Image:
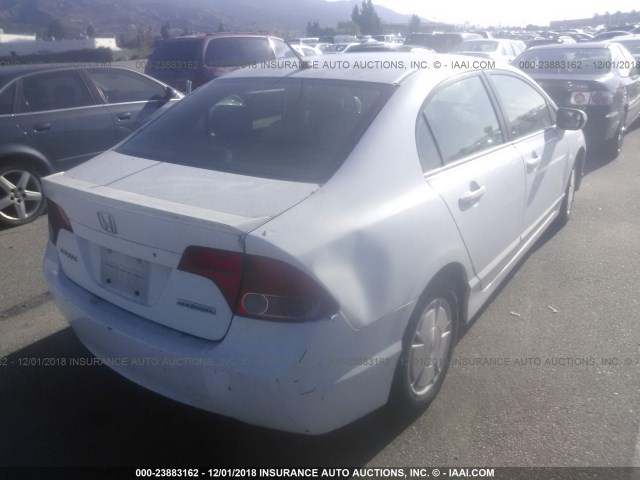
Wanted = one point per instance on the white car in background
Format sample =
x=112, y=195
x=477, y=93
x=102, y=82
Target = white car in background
x=306, y=50
x=297, y=248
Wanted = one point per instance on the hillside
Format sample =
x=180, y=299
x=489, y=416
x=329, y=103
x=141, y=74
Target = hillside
x=286, y=17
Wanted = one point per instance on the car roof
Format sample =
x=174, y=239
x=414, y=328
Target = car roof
x=487, y=40
x=218, y=35
x=573, y=46
x=392, y=68
x=9, y=73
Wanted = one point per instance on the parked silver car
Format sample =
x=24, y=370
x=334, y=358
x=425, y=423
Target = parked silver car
x=296, y=248
x=53, y=117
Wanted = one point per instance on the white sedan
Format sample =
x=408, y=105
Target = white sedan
x=297, y=248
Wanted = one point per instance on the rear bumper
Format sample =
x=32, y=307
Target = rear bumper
x=306, y=378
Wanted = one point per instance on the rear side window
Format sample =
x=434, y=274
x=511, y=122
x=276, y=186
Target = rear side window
x=462, y=119
x=525, y=109
x=120, y=86
x=6, y=100
x=287, y=129
x=54, y=91
x=238, y=51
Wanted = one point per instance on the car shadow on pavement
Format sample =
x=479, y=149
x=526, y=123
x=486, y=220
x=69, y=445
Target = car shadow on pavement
x=553, y=230
x=60, y=415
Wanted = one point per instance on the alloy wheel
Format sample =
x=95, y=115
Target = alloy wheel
x=21, y=196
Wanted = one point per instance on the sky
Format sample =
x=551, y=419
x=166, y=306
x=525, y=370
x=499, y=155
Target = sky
x=507, y=12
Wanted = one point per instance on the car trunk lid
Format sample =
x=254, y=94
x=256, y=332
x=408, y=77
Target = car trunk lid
x=131, y=228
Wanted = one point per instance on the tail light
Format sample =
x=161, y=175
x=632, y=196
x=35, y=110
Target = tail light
x=260, y=287
x=589, y=94
x=58, y=220
x=220, y=266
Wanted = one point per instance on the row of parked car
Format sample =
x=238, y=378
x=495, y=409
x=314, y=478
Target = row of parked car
x=599, y=77
x=53, y=118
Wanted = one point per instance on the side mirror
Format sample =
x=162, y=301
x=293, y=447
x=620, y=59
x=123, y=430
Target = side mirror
x=169, y=93
x=571, y=119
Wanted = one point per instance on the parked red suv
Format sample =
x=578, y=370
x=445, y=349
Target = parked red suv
x=201, y=58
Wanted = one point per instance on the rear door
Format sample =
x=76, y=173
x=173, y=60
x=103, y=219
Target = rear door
x=132, y=98
x=62, y=119
x=482, y=177
x=531, y=126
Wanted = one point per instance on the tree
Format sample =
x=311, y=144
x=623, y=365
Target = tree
x=165, y=31
x=313, y=29
x=346, y=28
x=56, y=30
x=91, y=32
x=355, y=14
x=414, y=23
x=366, y=18
x=221, y=27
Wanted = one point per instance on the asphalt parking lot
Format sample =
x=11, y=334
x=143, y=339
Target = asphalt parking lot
x=548, y=375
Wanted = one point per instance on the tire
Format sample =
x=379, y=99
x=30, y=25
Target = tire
x=613, y=147
x=21, y=196
x=566, y=207
x=428, y=344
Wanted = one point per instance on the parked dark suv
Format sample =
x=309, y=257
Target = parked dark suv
x=201, y=58
x=54, y=117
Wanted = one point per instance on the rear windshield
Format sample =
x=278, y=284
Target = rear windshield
x=185, y=50
x=238, y=52
x=285, y=128
x=587, y=61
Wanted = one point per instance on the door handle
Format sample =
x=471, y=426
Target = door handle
x=472, y=196
x=124, y=116
x=533, y=161
x=42, y=127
